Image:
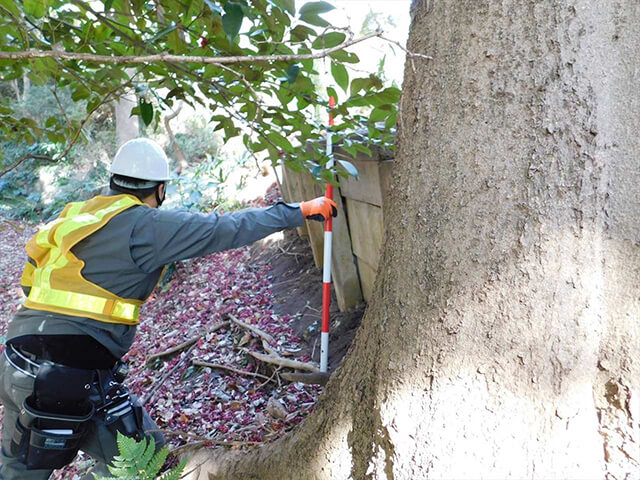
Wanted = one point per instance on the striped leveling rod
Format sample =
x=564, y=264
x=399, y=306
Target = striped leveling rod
x=326, y=264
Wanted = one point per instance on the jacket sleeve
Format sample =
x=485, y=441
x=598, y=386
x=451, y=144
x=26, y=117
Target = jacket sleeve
x=161, y=237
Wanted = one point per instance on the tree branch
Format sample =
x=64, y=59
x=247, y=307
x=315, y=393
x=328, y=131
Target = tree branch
x=149, y=396
x=202, y=363
x=170, y=58
x=284, y=362
x=23, y=158
x=256, y=331
x=186, y=343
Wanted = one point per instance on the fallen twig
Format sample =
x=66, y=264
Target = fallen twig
x=283, y=362
x=186, y=343
x=202, y=363
x=268, y=338
x=18, y=230
x=275, y=372
x=158, y=384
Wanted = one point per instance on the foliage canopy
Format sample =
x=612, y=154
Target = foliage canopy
x=268, y=102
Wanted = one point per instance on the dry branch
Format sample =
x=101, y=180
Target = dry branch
x=284, y=362
x=202, y=363
x=157, y=385
x=256, y=331
x=169, y=58
x=23, y=158
x=186, y=343
x=177, y=151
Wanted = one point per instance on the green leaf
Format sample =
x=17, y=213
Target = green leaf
x=107, y=5
x=232, y=19
x=331, y=39
x=349, y=167
x=280, y=141
x=315, y=8
x=146, y=112
x=36, y=8
x=344, y=56
x=389, y=95
x=175, y=42
x=340, y=75
x=80, y=93
x=163, y=32
x=392, y=120
x=12, y=6
x=292, y=73
x=288, y=5
x=379, y=113
x=331, y=92
x=358, y=84
x=316, y=20
x=310, y=13
x=301, y=33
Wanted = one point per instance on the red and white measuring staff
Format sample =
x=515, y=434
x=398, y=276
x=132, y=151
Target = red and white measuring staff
x=326, y=264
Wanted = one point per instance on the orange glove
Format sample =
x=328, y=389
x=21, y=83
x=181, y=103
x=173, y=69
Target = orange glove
x=319, y=209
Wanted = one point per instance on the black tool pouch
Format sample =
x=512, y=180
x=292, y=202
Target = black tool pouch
x=43, y=440
x=48, y=432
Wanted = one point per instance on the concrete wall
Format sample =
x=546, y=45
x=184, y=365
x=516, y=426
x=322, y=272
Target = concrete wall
x=357, y=231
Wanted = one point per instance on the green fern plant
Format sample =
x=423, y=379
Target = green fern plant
x=140, y=461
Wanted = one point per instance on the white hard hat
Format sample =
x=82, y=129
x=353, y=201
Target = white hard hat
x=143, y=159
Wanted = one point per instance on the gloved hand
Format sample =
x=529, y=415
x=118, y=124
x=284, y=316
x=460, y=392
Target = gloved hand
x=319, y=209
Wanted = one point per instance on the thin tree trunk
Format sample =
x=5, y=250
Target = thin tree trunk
x=183, y=164
x=503, y=340
x=26, y=84
x=16, y=88
x=127, y=126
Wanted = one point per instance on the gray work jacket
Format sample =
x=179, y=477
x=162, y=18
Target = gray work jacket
x=127, y=255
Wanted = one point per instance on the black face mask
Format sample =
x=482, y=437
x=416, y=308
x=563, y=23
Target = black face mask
x=164, y=195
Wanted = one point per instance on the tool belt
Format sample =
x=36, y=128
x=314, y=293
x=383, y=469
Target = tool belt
x=55, y=418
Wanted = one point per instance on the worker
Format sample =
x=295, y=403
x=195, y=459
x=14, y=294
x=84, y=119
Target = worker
x=88, y=272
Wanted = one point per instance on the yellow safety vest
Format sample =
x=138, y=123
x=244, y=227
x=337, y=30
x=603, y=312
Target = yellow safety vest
x=56, y=281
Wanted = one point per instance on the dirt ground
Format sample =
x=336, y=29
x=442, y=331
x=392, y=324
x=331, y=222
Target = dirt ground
x=297, y=283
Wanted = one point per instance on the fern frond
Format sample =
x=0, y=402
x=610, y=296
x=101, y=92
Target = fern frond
x=174, y=473
x=140, y=461
x=157, y=461
x=128, y=447
x=146, y=457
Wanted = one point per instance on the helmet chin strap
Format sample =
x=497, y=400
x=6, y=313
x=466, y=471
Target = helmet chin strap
x=164, y=195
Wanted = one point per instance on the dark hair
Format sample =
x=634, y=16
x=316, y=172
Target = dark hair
x=134, y=186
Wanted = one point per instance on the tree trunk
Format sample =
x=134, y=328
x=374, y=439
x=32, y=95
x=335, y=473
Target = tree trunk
x=26, y=85
x=127, y=126
x=183, y=164
x=503, y=338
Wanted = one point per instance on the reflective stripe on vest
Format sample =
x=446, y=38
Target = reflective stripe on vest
x=51, y=248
